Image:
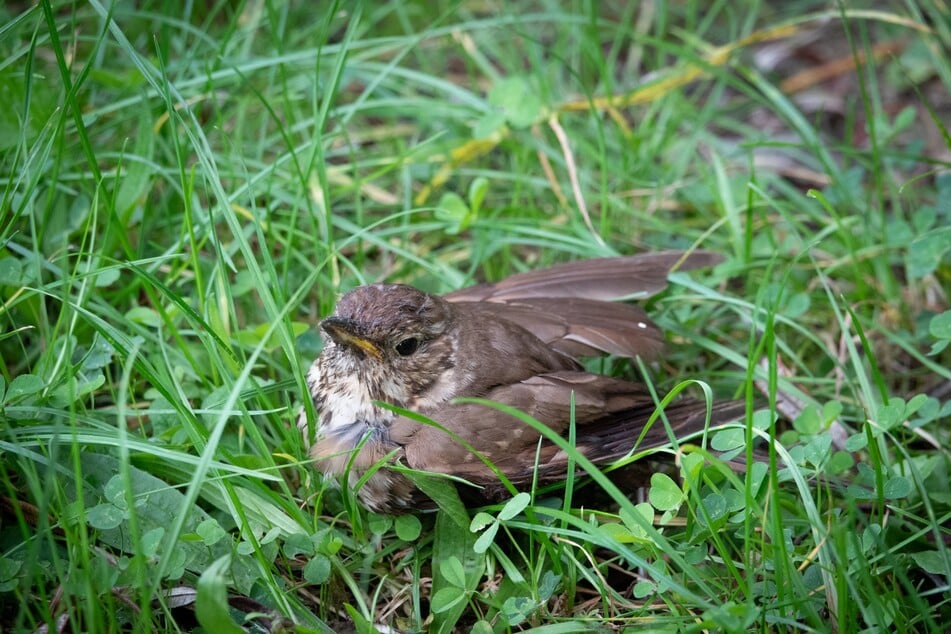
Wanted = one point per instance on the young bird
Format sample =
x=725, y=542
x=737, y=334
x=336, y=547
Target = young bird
x=514, y=342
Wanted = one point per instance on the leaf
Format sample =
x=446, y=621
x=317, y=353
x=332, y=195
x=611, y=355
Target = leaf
x=618, y=533
x=515, y=506
x=210, y=531
x=548, y=585
x=317, y=570
x=152, y=540
x=817, y=449
x=452, y=208
x=903, y=119
x=327, y=541
x=690, y=466
x=408, y=527
x=485, y=539
x=488, y=125
x=924, y=465
x=715, y=507
x=379, y=524
x=480, y=521
x=255, y=335
x=114, y=491
x=478, y=188
x=518, y=101
x=940, y=325
x=664, y=493
x=360, y=623
x=762, y=419
x=735, y=500
x=928, y=410
x=830, y=412
x=211, y=601
x=696, y=555
x=925, y=218
x=244, y=282
x=106, y=277
x=899, y=233
x=797, y=454
x=728, y=439
x=643, y=589
x=871, y=538
x=841, y=462
x=757, y=475
x=11, y=272
x=157, y=504
x=176, y=565
x=730, y=617
x=856, y=442
x=453, y=572
x=517, y=609
x=796, y=306
x=66, y=393
x=90, y=384
x=452, y=541
x=298, y=544
x=444, y=493
x=915, y=404
x=638, y=521
x=23, y=385
x=105, y=516
x=445, y=598
x=808, y=421
x=897, y=487
x=925, y=253
x=481, y=627
x=9, y=569
x=933, y=562
x=891, y=414
x=144, y=316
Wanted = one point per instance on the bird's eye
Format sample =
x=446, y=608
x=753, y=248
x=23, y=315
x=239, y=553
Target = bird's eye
x=407, y=346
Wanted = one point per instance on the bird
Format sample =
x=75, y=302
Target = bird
x=516, y=342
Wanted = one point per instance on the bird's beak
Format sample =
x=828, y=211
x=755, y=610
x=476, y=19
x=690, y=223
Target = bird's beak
x=342, y=332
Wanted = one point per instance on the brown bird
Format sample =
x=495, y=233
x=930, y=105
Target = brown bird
x=515, y=342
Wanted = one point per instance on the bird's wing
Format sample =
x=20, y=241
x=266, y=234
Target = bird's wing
x=582, y=327
x=609, y=414
x=603, y=279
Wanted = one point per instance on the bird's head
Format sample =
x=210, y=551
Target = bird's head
x=390, y=337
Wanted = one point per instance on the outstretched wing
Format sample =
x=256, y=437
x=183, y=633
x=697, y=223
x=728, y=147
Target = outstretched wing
x=602, y=279
x=572, y=306
x=581, y=327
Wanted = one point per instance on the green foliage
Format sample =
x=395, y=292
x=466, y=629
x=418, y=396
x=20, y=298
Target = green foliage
x=211, y=604
x=186, y=189
x=489, y=525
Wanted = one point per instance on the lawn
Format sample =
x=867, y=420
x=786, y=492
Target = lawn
x=189, y=188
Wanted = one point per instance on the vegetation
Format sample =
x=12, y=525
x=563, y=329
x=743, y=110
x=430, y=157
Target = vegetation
x=186, y=189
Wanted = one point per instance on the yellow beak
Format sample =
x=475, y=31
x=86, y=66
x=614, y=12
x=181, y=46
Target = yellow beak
x=341, y=331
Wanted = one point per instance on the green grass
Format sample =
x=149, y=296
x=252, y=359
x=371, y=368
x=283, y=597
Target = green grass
x=185, y=195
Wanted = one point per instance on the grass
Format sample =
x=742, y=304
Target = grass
x=184, y=195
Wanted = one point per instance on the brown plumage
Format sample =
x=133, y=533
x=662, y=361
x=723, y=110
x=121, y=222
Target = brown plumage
x=513, y=342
